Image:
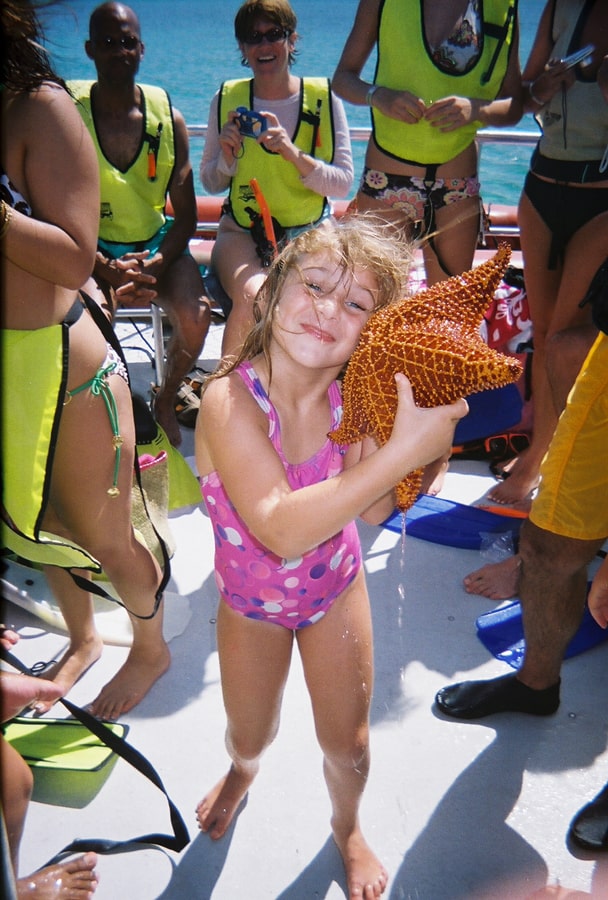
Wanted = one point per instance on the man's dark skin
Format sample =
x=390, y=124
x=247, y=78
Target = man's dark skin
x=169, y=277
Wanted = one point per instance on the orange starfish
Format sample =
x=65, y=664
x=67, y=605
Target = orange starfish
x=434, y=338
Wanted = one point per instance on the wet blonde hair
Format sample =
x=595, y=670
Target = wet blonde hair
x=361, y=241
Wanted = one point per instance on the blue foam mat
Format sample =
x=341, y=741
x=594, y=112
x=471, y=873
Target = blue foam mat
x=501, y=632
x=490, y=412
x=450, y=523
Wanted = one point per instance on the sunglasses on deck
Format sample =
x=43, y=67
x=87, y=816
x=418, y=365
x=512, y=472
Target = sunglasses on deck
x=129, y=42
x=499, y=447
x=272, y=36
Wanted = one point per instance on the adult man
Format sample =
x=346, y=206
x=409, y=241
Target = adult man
x=142, y=148
x=568, y=525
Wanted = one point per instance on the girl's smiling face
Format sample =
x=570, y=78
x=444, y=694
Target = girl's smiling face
x=322, y=310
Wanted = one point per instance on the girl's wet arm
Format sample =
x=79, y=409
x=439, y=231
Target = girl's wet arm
x=382, y=508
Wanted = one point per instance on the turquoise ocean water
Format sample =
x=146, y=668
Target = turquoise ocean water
x=190, y=49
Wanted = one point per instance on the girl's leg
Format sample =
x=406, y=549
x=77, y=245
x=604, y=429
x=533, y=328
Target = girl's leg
x=254, y=664
x=85, y=644
x=239, y=270
x=337, y=656
x=554, y=297
x=542, y=286
x=81, y=508
x=452, y=248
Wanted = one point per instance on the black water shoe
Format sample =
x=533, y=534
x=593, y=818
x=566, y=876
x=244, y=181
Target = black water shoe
x=476, y=699
x=589, y=828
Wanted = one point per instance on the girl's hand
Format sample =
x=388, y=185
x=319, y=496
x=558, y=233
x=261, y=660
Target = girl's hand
x=401, y=105
x=230, y=138
x=423, y=435
x=450, y=113
x=598, y=595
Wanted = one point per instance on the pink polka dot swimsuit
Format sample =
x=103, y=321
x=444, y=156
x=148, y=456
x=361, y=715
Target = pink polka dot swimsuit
x=256, y=582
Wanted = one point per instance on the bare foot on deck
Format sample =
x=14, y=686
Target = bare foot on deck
x=75, y=879
x=366, y=877
x=496, y=581
x=216, y=811
x=131, y=683
x=71, y=667
x=520, y=478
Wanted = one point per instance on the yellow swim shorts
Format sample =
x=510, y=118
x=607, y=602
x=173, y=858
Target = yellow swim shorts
x=572, y=499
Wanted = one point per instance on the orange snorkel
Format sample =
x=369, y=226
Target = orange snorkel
x=265, y=211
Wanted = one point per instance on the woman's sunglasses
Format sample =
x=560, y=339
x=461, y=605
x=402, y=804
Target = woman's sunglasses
x=499, y=447
x=272, y=36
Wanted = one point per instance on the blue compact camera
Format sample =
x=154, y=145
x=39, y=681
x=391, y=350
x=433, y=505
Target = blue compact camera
x=251, y=123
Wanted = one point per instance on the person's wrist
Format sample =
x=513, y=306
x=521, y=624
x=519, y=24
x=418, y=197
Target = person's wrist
x=369, y=97
x=536, y=100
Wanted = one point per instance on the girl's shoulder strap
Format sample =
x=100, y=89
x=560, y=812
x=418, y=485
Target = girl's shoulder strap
x=251, y=380
x=258, y=392
x=335, y=401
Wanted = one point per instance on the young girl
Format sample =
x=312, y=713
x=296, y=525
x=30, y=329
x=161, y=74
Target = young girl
x=282, y=499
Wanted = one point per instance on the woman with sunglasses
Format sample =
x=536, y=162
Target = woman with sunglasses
x=298, y=152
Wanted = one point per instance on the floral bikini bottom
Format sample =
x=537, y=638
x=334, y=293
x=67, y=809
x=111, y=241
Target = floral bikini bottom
x=414, y=195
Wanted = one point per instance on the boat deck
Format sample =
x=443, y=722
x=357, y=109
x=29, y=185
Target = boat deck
x=456, y=811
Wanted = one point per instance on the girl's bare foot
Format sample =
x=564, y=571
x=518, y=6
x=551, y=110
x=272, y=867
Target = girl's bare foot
x=75, y=879
x=71, y=667
x=366, y=877
x=216, y=811
x=132, y=682
x=496, y=581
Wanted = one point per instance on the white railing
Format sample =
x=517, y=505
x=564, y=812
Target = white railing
x=485, y=136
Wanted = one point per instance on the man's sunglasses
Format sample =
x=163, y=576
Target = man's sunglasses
x=272, y=36
x=129, y=42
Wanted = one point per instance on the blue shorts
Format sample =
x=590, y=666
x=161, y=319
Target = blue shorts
x=115, y=250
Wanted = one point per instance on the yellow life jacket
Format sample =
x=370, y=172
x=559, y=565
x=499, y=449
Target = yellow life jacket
x=405, y=63
x=290, y=202
x=133, y=201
